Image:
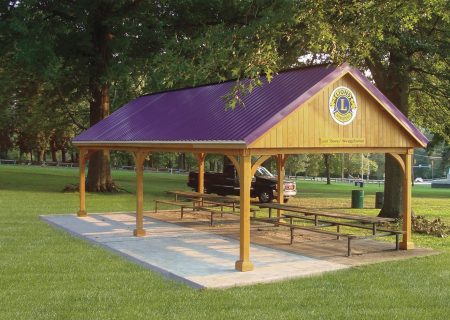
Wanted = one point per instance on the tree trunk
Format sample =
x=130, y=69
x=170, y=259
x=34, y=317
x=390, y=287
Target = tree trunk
x=393, y=187
x=99, y=173
x=54, y=158
x=41, y=155
x=394, y=82
x=182, y=161
x=326, y=160
x=63, y=155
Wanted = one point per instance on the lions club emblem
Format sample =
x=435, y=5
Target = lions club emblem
x=342, y=105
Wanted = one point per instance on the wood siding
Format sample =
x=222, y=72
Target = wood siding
x=311, y=125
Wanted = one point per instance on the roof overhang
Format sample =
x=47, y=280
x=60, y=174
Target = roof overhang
x=160, y=145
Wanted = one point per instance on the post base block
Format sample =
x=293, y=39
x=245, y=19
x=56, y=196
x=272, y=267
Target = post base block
x=139, y=233
x=408, y=245
x=243, y=266
x=82, y=213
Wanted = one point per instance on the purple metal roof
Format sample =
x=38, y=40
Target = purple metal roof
x=199, y=114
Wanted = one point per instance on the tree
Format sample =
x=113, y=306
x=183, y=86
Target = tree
x=93, y=47
x=326, y=161
x=96, y=39
x=404, y=45
x=296, y=163
x=313, y=165
x=406, y=52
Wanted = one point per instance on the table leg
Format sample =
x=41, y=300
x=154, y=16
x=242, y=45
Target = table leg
x=397, y=244
x=349, y=250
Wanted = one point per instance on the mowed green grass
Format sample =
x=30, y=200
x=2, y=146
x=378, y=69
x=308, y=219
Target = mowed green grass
x=48, y=274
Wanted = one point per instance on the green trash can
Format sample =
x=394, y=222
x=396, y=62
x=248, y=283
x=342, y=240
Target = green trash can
x=379, y=200
x=357, y=199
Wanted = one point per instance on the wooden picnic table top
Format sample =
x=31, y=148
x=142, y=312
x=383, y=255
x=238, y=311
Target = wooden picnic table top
x=337, y=215
x=205, y=196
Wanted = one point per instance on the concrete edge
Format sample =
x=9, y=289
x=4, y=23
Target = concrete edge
x=166, y=274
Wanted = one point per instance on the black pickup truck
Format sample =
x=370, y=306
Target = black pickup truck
x=264, y=184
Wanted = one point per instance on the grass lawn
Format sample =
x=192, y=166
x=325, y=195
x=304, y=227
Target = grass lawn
x=48, y=274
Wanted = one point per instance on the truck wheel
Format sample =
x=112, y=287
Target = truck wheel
x=265, y=196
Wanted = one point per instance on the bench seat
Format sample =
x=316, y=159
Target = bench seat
x=318, y=229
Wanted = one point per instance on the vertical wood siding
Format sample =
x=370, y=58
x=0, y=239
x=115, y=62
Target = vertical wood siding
x=311, y=121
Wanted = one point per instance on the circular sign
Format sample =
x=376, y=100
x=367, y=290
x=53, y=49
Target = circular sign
x=342, y=105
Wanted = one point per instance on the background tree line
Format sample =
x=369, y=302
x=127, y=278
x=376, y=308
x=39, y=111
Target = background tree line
x=65, y=65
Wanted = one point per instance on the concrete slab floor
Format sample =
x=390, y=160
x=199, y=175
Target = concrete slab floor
x=199, y=258
x=310, y=244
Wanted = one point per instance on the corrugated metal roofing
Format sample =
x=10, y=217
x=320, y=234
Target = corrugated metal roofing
x=198, y=114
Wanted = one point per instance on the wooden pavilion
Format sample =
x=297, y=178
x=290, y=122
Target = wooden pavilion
x=319, y=109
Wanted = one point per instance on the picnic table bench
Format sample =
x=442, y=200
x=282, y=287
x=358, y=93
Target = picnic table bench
x=322, y=220
x=182, y=204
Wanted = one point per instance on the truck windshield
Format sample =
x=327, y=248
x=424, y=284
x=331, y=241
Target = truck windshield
x=263, y=172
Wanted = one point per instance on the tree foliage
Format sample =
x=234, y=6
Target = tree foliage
x=65, y=64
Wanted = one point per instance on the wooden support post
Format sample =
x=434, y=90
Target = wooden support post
x=281, y=158
x=201, y=172
x=406, y=243
x=82, y=158
x=245, y=176
x=139, y=158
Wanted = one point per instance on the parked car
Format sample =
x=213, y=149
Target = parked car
x=264, y=184
x=418, y=179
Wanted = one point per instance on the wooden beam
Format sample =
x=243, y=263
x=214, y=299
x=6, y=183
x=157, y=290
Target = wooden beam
x=139, y=158
x=201, y=172
x=258, y=163
x=281, y=160
x=245, y=165
x=235, y=162
x=406, y=243
x=227, y=148
x=399, y=160
x=275, y=151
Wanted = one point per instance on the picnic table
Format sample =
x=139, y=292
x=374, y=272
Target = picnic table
x=203, y=202
x=323, y=220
